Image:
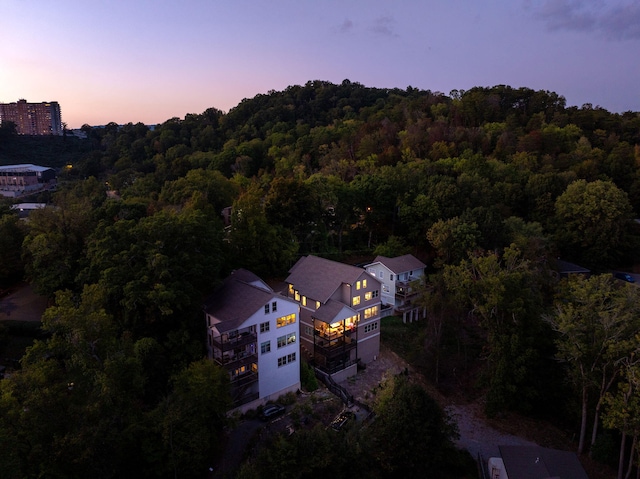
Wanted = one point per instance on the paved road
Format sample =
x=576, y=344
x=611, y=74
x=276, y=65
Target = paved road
x=235, y=448
x=22, y=304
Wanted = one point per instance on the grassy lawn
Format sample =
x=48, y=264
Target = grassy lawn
x=406, y=340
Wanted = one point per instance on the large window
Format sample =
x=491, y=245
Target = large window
x=289, y=358
x=265, y=347
x=287, y=339
x=370, y=295
x=264, y=327
x=370, y=312
x=355, y=301
x=284, y=320
x=371, y=327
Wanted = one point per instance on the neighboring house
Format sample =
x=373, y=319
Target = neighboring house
x=565, y=268
x=339, y=314
x=252, y=332
x=535, y=462
x=16, y=180
x=25, y=208
x=396, y=275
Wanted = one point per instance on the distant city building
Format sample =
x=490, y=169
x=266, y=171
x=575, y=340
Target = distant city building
x=18, y=180
x=33, y=118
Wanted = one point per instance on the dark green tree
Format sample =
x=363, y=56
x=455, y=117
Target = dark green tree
x=592, y=222
x=412, y=436
x=11, y=237
x=595, y=319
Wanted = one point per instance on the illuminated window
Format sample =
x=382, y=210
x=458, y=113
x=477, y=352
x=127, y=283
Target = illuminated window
x=291, y=290
x=370, y=295
x=285, y=340
x=264, y=327
x=297, y=296
x=355, y=301
x=357, y=284
x=364, y=283
x=370, y=312
x=284, y=320
x=304, y=301
x=265, y=347
x=317, y=304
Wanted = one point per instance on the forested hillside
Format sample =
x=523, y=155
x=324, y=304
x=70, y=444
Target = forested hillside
x=488, y=186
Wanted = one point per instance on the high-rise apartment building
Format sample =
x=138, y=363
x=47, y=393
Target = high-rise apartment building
x=33, y=118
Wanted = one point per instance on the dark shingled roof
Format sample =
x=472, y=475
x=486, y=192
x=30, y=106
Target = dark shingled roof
x=241, y=294
x=400, y=264
x=535, y=462
x=318, y=278
x=333, y=311
x=567, y=267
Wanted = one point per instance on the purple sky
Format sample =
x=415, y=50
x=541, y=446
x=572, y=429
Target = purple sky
x=151, y=60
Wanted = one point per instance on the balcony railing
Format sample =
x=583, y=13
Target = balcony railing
x=244, y=380
x=335, y=348
x=226, y=342
x=334, y=368
x=335, y=334
x=404, y=289
x=236, y=361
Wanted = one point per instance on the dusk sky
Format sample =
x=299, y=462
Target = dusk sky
x=151, y=60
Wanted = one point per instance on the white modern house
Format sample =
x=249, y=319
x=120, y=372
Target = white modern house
x=339, y=314
x=253, y=332
x=396, y=275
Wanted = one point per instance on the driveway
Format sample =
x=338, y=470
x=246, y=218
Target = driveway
x=476, y=435
x=22, y=304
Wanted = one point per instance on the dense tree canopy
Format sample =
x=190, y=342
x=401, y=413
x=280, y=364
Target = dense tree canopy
x=487, y=186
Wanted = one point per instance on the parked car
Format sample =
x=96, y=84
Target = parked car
x=271, y=410
x=625, y=277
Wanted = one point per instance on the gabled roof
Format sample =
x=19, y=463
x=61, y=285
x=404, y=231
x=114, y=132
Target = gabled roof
x=319, y=278
x=535, y=462
x=241, y=295
x=565, y=267
x=400, y=264
x=333, y=311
